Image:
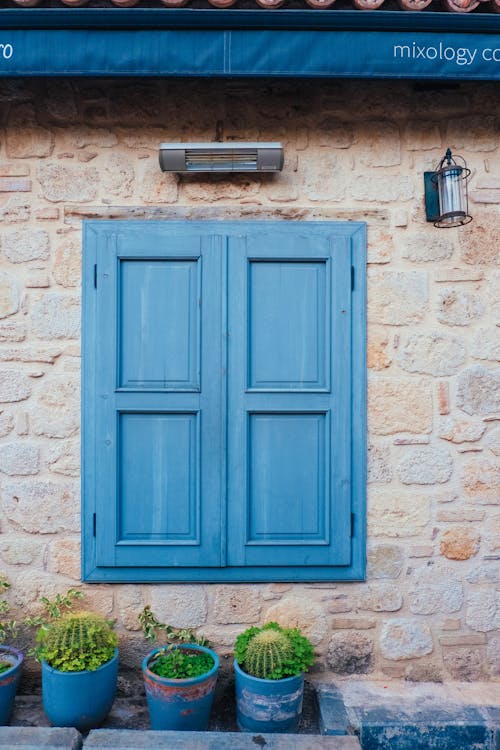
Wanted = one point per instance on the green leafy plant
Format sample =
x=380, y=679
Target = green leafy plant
x=154, y=630
x=76, y=641
x=71, y=641
x=273, y=652
x=178, y=663
x=8, y=627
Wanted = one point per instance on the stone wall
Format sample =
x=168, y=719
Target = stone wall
x=71, y=150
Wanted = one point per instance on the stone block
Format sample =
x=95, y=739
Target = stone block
x=384, y=561
x=380, y=597
x=397, y=514
x=486, y=344
x=15, y=185
x=130, y=605
x=67, y=268
x=123, y=739
x=435, y=591
x=378, y=357
x=117, y=176
x=400, y=405
x=381, y=146
x=25, y=245
x=443, y=395
x=57, y=316
x=19, y=458
x=397, y=297
x=458, y=274
x=379, y=465
x=462, y=639
x=58, y=407
x=405, y=639
x=179, y=606
x=464, y=664
x=459, y=543
x=40, y=506
x=65, y=459
x=478, y=390
x=25, y=139
x=462, y=431
x=236, y=604
x=426, y=465
x=492, y=441
x=64, y=558
x=318, y=168
x=423, y=248
x=350, y=653
x=480, y=242
x=379, y=189
x=61, y=182
x=353, y=623
x=333, y=718
x=483, y=610
x=299, y=612
x=404, y=736
x=9, y=295
x=481, y=481
x=83, y=136
x=380, y=248
x=456, y=307
x=14, y=386
x=34, y=738
x=434, y=354
x=16, y=550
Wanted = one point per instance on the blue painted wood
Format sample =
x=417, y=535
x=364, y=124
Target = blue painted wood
x=158, y=489
x=289, y=423
x=156, y=429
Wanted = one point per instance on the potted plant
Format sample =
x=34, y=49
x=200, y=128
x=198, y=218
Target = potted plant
x=79, y=656
x=269, y=664
x=10, y=659
x=179, y=677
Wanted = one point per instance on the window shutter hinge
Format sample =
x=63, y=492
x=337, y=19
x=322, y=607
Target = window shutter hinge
x=352, y=524
x=94, y=524
x=95, y=275
x=352, y=278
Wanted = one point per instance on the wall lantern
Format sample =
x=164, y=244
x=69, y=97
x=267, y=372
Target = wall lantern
x=446, y=199
x=233, y=156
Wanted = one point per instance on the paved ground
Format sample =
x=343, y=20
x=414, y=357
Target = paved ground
x=385, y=715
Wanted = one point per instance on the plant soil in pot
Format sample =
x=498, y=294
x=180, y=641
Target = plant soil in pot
x=269, y=677
x=180, y=684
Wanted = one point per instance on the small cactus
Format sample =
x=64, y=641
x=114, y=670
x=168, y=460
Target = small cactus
x=273, y=652
x=267, y=651
x=77, y=642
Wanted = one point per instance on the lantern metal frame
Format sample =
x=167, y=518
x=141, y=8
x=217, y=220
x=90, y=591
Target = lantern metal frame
x=449, y=170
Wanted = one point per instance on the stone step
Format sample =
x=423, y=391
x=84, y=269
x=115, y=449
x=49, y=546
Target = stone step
x=40, y=738
x=403, y=716
x=129, y=739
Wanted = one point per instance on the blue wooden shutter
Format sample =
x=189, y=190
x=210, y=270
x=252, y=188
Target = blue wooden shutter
x=224, y=401
x=289, y=424
x=158, y=407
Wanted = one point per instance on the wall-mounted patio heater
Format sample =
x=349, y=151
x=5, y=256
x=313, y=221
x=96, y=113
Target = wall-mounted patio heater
x=221, y=157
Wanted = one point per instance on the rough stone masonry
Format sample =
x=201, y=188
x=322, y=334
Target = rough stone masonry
x=69, y=150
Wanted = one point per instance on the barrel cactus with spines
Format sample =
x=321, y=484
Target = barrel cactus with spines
x=76, y=642
x=273, y=652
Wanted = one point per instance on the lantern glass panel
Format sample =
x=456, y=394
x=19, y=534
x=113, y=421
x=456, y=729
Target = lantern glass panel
x=452, y=196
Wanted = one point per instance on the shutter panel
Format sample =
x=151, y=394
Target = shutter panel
x=158, y=399
x=289, y=419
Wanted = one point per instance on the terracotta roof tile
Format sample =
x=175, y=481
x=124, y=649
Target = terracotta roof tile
x=455, y=6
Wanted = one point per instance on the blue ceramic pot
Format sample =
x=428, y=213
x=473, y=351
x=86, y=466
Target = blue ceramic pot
x=180, y=704
x=9, y=681
x=79, y=699
x=268, y=705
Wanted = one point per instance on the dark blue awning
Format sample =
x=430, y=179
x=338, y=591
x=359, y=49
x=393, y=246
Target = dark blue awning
x=236, y=52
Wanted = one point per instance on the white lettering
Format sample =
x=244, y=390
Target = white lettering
x=6, y=51
x=461, y=56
